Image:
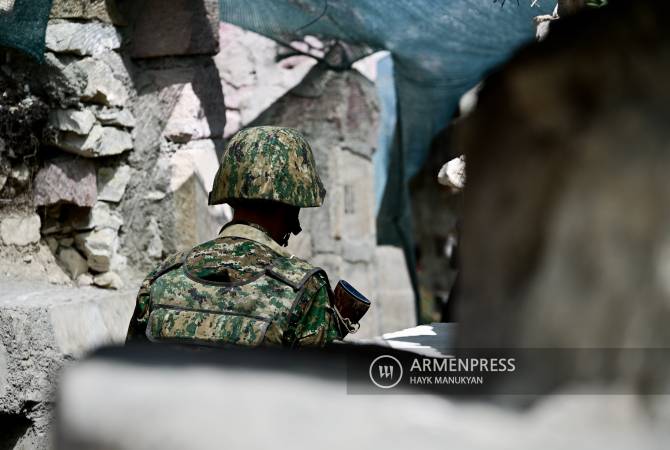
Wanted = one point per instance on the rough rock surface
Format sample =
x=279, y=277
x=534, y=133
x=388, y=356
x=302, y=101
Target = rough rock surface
x=198, y=108
x=185, y=105
x=180, y=103
x=74, y=120
x=103, y=10
x=252, y=79
x=99, y=217
x=34, y=263
x=187, y=27
x=84, y=39
x=578, y=195
x=98, y=246
x=102, y=84
x=61, y=80
x=20, y=230
x=73, y=262
x=109, y=280
x=101, y=141
x=112, y=182
x=114, y=116
x=66, y=180
x=51, y=325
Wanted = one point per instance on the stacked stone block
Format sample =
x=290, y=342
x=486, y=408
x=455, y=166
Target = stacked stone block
x=112, y=188
x=91, y=125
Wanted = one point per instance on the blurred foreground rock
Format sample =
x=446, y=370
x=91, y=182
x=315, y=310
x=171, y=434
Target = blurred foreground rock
x=172, y=400
x=566, y=237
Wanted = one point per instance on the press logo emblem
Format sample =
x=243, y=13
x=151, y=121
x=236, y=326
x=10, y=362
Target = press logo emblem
x=385, y=371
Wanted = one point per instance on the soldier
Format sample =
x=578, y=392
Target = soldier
x=243, y=287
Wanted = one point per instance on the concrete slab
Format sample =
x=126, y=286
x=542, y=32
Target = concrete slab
x=42, y=327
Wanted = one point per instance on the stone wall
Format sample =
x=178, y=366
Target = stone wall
x=107, y=153
x=126, y=119
x=252, y=75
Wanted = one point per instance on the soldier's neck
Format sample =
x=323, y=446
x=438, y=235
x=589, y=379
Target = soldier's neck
x=273, y=227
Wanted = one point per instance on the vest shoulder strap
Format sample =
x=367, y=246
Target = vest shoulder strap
x=292, y=271
x=171, y=262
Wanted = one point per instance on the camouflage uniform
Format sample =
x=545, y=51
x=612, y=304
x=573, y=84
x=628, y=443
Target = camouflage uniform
x=243, y=288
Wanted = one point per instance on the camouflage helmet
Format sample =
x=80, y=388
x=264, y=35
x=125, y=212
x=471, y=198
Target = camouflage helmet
x=268, y=163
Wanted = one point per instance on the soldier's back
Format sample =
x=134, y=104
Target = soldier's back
x=230, y=290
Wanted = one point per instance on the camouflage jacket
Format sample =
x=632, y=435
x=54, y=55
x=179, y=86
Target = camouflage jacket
x=240, y=288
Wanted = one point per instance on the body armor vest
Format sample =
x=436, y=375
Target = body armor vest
x=229, y=291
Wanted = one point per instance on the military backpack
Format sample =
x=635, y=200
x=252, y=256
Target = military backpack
x=231, y=290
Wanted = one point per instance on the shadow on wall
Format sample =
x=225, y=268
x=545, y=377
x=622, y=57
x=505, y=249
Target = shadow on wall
x=181, y=111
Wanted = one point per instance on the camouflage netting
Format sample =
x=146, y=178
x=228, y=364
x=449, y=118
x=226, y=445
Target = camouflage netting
x=23, y=23
x=440, y=49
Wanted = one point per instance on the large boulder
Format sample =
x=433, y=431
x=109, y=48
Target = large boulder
x=566, y=237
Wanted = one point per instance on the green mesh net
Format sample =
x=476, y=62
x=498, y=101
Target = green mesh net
x=23, y=24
